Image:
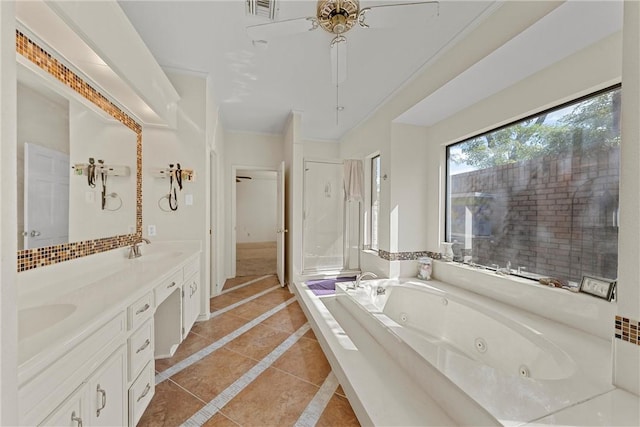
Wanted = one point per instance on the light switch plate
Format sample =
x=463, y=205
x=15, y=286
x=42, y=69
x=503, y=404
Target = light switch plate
x=151, y=230
x=188, y=199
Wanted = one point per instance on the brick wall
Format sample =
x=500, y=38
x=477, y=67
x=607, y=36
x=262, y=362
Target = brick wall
x=553, y=215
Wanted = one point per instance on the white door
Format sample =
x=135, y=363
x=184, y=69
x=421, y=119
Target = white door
x=46, y=196
x=280, y=239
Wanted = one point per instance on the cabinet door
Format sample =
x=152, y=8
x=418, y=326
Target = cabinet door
x=69, y=414
x=106, y=392
x=190, y=302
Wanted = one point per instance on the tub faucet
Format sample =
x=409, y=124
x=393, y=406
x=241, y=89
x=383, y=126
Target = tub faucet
x=134, y=249
x=362, y=275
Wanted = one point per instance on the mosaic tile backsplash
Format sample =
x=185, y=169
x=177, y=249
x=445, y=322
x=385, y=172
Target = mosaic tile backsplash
x=627, y=330
x=407, y=256
x=40, y=257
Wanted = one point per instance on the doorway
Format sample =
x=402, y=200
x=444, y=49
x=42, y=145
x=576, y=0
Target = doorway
x=256, y=222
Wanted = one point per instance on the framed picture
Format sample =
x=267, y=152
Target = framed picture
x=598, y=287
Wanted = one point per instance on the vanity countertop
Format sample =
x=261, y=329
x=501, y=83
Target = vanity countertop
x=61, y=305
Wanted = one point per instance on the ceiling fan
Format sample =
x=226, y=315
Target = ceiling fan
x=338, y=17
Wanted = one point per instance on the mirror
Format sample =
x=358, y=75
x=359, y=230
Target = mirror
x=59, y=192
x=79, y=159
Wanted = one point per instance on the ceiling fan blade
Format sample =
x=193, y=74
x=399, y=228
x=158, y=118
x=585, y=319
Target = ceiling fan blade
x=338, y=60
x=288, y=27
x=398, y=14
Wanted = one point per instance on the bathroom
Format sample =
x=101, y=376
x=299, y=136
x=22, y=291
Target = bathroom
x=412, y=163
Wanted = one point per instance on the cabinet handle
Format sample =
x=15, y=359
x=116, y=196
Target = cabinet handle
x=143, y=309
x=102, y=395
x=76, y=419
x=144, y=393
x=171, y=285
x=145, y=345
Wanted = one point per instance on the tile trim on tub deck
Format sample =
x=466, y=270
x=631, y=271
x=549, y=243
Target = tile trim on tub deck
x=627, y=330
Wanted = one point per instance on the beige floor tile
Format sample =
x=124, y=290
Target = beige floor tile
x=289, y=319
x=192, y=344
x=219, y=420
x=338, y=413
x=236, y=281
x=170, y=406
x=224, y=300
x=210, y=376
x=219, y=326
x=257, y=342
x=310, y=335
x=251, y=310
x=340, y=391
x=256, y=287
x=306, y=361
x=273, y=399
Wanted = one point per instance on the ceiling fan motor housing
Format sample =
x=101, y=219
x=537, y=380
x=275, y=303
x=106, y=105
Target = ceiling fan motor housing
x=337, y=16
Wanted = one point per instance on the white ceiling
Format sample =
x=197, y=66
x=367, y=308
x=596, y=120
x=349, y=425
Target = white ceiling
x=256, y=88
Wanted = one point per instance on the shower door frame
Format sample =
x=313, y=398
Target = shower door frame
x=345, y=226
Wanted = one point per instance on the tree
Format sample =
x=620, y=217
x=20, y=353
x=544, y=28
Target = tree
x=592, y=124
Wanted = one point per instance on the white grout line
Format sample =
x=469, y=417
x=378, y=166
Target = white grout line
x=314, y=409
x=244, y=301
x=242, y=285
x=199, y=355
x=211, y=408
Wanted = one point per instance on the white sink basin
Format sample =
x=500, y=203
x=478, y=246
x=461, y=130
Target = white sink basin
x=35, y=319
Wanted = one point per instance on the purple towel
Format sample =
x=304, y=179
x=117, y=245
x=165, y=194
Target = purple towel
x=327, y=286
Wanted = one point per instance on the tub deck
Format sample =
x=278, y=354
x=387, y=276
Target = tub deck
x=387, y=387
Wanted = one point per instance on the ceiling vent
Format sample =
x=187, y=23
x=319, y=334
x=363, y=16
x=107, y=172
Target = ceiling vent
x=266, y=8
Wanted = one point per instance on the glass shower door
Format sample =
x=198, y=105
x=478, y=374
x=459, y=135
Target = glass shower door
x=323, y=220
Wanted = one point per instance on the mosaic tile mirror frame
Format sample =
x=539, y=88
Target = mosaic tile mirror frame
x=40, y=257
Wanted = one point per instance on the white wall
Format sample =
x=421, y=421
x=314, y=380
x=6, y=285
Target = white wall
x=8, y=230
x=185, y=145
x=626, y=355
x=256, y=209
x=245, y=150
x=111, y=141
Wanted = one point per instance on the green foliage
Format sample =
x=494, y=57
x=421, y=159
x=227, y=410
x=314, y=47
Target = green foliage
x=590, y=125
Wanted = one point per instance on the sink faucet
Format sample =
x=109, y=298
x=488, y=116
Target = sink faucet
x=134, y=249
x=363, y=275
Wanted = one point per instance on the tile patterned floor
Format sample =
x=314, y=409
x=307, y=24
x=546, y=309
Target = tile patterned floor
x=272, y=374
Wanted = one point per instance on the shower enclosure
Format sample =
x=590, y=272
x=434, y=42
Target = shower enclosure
x=331, y=231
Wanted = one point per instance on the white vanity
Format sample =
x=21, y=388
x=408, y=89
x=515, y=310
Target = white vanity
x=89, y=331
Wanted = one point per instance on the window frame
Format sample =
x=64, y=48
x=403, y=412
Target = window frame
x=367, y=210
x=447, y=149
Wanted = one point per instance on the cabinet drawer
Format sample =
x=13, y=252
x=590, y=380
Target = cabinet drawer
x=164, y=289
x=140, y=348
x=140, y=311
x=140, y=394
x=192, y=267
x=68, y=414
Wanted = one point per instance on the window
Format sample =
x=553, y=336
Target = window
x=375, y=201
x=541, y=194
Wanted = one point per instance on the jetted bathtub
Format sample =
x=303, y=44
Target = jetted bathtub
x=518, y=366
